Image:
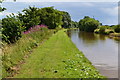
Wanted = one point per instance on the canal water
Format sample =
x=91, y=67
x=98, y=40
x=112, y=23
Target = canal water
x=99, y=49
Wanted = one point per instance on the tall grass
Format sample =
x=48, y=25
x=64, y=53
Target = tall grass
x=12, y=54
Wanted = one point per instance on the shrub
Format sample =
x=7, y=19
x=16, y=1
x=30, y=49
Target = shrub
x=108, y=31
x=102, y=29
x=11, y=29
x=117, y=28
x=88, y=24
x=96, y=30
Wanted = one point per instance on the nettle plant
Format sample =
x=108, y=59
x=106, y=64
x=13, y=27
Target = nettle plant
x=11, y=29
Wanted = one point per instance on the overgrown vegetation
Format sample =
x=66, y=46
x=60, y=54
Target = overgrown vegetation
x=108, y=29
x=12, y=25
x=58, y=57
x=12, y=54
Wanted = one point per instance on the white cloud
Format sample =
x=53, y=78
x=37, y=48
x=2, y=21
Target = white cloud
x=64, y=0
x=111, y=11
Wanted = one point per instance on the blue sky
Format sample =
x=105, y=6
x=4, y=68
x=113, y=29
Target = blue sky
x=105, y=12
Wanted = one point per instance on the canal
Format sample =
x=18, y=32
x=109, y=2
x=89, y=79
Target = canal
x=101, y=50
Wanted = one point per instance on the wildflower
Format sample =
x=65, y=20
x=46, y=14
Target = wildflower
x=35, y=28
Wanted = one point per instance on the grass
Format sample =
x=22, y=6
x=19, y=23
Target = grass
x=14, y=53
x=58, y=57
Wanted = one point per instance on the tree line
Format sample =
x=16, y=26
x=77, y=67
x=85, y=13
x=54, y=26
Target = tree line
x=13, y=25
x=91, y=25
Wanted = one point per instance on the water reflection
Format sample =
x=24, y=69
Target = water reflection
x=99, y=49
x=88, y=38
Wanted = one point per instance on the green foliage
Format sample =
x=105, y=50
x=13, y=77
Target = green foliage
x=66, y=20
x=14, y=53
x=36, y=16
x=108, y=31
x=117, y=28
x=96, y=30
x=13, y=25
x=58, y=28
x=11, y=29
x=74, y=24
x=88, y=24
x=102, y=29
x=30, y=17
x=50, y=17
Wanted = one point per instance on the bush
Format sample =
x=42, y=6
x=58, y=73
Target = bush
x=88, y=24
x=11, y=29
x=96, y=30
x=102, y=29
x=108, y=31
x=117, y=28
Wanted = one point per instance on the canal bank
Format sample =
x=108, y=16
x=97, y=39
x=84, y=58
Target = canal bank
x=58, y=57
x=101, y=50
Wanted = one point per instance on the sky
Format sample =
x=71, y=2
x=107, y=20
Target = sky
x=105, y=12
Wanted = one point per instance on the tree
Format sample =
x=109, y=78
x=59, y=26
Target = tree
x=66, y=20
x=30, y=17
x=50, y=17
x=36, y=16
x=88, y=24
x=11, y=29
x=74, y=24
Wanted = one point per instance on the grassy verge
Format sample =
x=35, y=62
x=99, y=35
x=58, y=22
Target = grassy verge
x=58, y=57
x=14, y=54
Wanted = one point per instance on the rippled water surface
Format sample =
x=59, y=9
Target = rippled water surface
x=99, y=49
